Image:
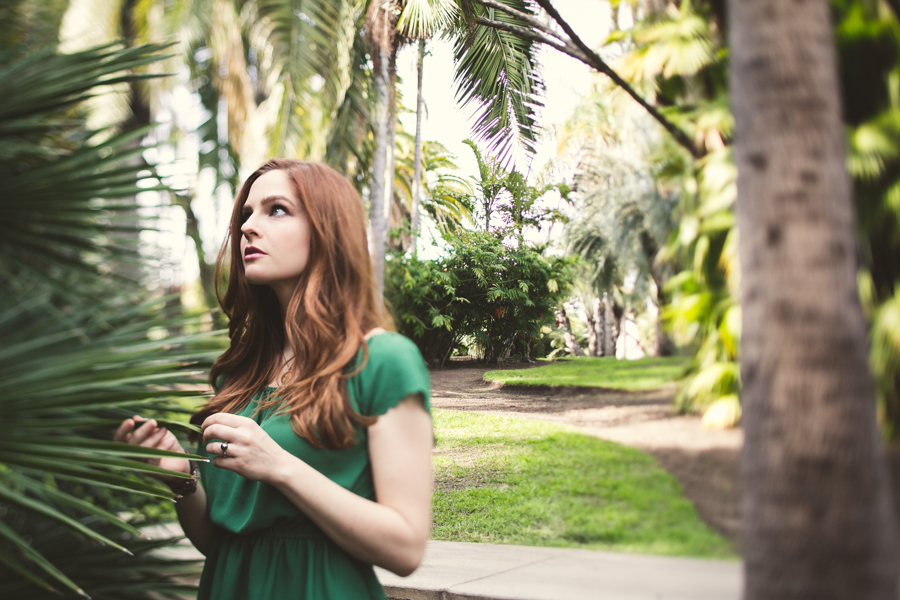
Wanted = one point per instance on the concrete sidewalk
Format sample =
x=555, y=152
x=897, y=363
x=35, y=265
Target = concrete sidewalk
x=465, y=571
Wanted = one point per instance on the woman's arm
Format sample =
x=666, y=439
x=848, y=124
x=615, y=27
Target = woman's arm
x=191, y=509
x=391, y=532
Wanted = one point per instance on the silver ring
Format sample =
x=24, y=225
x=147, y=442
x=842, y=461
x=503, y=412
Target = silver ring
x=224, y=449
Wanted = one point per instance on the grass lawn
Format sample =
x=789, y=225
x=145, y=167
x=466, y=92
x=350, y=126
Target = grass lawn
x=607, y=372
x=514, y=481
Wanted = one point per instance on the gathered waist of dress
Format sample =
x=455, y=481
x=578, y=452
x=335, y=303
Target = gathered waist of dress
x=285, y=531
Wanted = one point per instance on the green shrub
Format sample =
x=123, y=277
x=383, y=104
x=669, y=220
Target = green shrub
x=493, y=294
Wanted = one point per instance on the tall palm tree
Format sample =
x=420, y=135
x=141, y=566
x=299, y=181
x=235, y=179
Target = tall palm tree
x=381, y=27
x=418, y=18
x=817, y=515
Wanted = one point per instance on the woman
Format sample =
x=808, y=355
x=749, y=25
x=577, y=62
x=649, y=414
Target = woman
x=319, y=433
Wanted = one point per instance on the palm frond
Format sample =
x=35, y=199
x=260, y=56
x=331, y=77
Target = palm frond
x=61, y=184
x=498, y=71
x=422, y=18
x=312, y=50
x=105, y=572
x=69, y=385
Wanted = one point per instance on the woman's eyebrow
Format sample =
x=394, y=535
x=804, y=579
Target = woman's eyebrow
x=269, y=200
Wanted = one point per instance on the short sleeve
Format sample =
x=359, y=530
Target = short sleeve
x=395, y=369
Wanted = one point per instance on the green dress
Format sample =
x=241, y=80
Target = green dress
x=266, y=548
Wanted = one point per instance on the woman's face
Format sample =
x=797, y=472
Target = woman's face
x=275, y=234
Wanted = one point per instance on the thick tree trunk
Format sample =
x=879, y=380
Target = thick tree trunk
x=379, y=164
x=817, y=519
x=417, y=156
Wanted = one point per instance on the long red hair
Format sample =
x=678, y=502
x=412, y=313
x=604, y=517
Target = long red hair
x=328, y=314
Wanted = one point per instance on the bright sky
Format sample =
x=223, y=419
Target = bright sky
x=566, y=80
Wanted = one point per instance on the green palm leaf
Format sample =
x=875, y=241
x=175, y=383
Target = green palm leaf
x=76, y=358
x=65, y=396
x=61, y=182
x=107, y=573
x=422, y=18
x=498, y=71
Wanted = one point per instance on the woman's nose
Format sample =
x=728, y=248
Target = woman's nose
x=247, y=227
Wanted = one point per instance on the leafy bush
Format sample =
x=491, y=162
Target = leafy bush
x=485, y=291
x=422, y=295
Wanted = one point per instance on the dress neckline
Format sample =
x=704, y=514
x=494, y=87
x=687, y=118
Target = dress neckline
x=368, y=337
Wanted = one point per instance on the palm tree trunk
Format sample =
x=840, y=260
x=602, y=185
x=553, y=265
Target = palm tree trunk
x=816, y=507
x=598, y=326
x=609, y=346
x=592, y=318
x=417, y=157
x=392, y=144
x=379, y=163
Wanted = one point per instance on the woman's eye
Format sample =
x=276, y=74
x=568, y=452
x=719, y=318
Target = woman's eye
x=278, y=211
x=244, y=217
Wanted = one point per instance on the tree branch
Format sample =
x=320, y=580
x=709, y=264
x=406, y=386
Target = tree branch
x=530, y=34
x=524, y=17
x=593, y=60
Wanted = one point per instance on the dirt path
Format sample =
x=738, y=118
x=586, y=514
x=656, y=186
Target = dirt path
x=705, y=462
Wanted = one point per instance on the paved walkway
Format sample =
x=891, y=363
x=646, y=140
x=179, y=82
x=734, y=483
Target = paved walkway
x=464, y=571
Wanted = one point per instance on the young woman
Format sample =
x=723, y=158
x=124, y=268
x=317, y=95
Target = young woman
x=319, y=433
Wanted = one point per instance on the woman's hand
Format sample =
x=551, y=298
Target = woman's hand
x=151, y=436
x=251, y=452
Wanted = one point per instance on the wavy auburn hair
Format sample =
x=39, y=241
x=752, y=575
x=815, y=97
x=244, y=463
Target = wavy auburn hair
x=328, y=314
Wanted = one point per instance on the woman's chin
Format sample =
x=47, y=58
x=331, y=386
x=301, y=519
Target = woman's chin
x=256, y=278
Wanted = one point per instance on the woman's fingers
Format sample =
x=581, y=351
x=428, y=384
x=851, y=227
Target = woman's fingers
x=121, y=434
x=215, y=448
x=155, y=438
x=226, y=419
x=220, y=432
x=140, y=434
x=170, y=442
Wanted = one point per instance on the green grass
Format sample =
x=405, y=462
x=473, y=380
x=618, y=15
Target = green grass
x=514, y=481
x=632, y=375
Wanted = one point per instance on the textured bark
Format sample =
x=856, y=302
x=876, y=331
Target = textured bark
x=816, y=506
x=599, y=324
x=593, y=318
x=391, y=146
x=417, y=156
x=609, y=318
x=379, y=164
